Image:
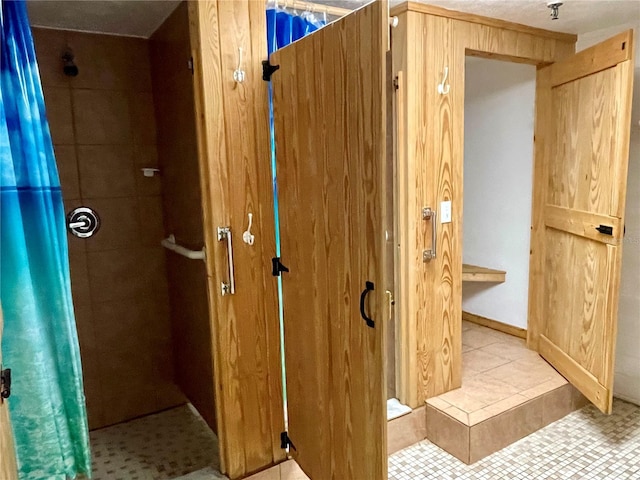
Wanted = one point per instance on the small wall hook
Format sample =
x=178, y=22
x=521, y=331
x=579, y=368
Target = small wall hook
x=443, y=89
x=247, y=236
x=238, y=74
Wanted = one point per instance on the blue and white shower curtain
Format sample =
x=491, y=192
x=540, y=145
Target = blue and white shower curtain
x=40, y=344
x=284, y=26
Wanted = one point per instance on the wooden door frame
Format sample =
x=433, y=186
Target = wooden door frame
x=426, y=40
x=232, y=147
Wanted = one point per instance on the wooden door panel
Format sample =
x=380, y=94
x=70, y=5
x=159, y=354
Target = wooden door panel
x=582, y=127
x=329, y=104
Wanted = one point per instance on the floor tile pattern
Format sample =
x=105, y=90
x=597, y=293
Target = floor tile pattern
x=162, y=446
x=584, y=445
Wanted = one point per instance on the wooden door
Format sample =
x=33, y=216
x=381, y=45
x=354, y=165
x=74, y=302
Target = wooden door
x=582, y=149
x=329, y=103
x=8, y=468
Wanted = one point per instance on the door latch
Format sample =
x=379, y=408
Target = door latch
x=5, y=384
x=605, y=229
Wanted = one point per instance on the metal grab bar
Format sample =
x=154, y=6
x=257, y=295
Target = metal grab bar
x=227, y=288
x=170, y=244
x=429, y=214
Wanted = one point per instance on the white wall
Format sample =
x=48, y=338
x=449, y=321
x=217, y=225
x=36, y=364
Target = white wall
x=627, y=369
x=498, y=172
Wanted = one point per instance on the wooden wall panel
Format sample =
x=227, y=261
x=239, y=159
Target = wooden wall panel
x=233, y=135
x=425, y=42
x=8, y=467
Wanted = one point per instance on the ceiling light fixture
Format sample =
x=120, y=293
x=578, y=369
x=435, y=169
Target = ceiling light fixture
x=554, y=5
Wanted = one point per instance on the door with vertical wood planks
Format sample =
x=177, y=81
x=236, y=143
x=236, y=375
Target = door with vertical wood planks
x=582, y=137
x=8, y=468
x=330, y=122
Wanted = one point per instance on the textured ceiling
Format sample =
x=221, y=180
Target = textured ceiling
x=137, y=18
x=142, y=17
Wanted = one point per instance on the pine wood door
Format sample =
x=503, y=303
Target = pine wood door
x=582, y=142
x=330, y=122
x=8, y=469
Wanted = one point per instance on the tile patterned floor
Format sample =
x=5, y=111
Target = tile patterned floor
x=584, y=445
x=162, y=446
x=498, y=373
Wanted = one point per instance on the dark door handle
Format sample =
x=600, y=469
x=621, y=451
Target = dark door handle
x=605, y=229
x=363, y=296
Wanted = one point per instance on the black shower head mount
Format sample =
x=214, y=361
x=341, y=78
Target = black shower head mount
x=69, y=67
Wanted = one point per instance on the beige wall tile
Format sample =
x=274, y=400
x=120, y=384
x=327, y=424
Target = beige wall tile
x=116, y=275
x=151, y=220
x=406, y=430
x=58, y=107
x=101, y=117
x=68, y=171
x=496, y=433
x=119, y=223
x=75, y=244
x=143, y=120
x=84, y=327
x=557, y=404
x=106, y=171
x=79, y=279
x=50, y=45
x=448, y=434
x=147, y=156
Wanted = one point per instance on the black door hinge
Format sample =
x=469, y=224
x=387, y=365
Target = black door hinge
x=605, y=229
x=277, y=267
x=268, y=70
x=396, y=85
x=5, y=383
x=285, y=441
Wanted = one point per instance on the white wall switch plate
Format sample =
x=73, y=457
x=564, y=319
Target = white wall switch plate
x=445, y=212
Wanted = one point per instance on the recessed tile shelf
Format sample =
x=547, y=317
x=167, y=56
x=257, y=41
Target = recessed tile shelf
x=472, y=273
x=507, y=393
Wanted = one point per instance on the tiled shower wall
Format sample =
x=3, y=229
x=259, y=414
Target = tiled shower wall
x=103, y=128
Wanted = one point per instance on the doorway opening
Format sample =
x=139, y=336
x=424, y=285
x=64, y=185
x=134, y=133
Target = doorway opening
x=500, y=376
x=125, y=140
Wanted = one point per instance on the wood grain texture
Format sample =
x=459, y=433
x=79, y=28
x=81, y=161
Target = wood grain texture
x=170, y=51
x=331, y=178
x=429, y=295
x=581, y=176
x=235, y=180
x=494, y=324
x=8, y=467
x=481, y=20
x=473, y=273
x=592, y=60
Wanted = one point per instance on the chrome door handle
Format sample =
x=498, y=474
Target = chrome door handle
x=429, y=214
x=227, y=288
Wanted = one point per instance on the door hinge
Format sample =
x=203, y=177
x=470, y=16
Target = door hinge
x=396, y=85
x=605, y=229
x=190, y=65
x=277, y=267
x=268, y=70
x=5, y=383
x=285, y=441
